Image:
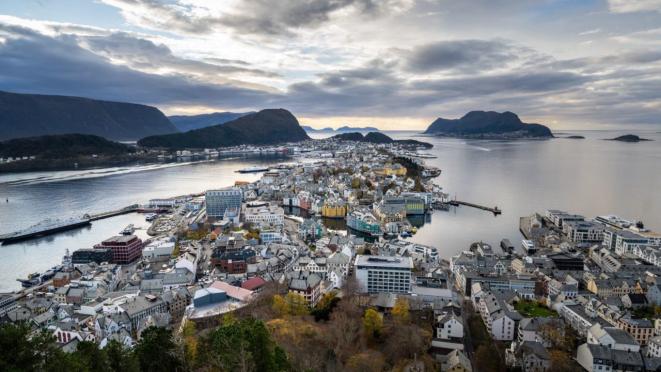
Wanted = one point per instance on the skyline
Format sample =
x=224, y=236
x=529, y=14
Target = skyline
x=390, y=64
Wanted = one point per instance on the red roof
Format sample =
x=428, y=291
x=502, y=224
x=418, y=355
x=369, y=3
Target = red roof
x=253, y=283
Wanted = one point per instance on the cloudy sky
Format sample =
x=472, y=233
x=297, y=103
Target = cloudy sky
x=395, y=64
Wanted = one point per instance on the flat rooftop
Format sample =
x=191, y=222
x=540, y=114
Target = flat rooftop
x=377, y=261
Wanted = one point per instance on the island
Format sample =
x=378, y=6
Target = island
x=629, y=138
x=266, y=127
x=575, y=137
x=376, y=137
x=488, y=125
x=310, y=129
x=30, y=115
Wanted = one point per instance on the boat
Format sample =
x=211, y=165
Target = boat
x=151, y=217
x=253, y=169
x=406, y=235
x=128, y=230
x=27, y=283
x=43, y=228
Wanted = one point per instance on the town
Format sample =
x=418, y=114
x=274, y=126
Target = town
x=312, y=268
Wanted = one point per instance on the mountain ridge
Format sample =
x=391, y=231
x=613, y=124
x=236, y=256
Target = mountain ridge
x=266, y=127
x=30, y=115
x=190, y=122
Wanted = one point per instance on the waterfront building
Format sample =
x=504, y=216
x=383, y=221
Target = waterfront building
x=362, y=220
x=310, y=229
x=384, y=274
x=217, y=201
x=125, y=248
x=584, y=231
x=87, y=255
x=7, y=304
x=623, y=241
x=413, y=205
x=559, y=217
x=334, y=209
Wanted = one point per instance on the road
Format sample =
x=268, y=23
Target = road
x=468, y=340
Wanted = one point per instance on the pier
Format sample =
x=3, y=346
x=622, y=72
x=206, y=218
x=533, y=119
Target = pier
x=125, y=210
x=494, y=210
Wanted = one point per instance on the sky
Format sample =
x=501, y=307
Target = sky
x=392, y=64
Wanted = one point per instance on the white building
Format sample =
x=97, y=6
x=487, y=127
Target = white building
x=614, y=338
x=217, y=201
x=449, y=326
x=160, y=249
x=265, y=215
x=384, y=274
x=501, y=319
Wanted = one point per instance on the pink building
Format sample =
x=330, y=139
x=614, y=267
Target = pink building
x=125, y=248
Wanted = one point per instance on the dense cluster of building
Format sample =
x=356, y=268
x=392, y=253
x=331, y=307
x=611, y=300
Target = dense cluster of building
x=588, y=277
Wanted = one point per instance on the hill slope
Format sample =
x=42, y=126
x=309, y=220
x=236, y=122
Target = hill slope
x=488, y=123
x=266, y=127
x=27, y=115
x=353, y=129
x=62, y=146
x=190, y=122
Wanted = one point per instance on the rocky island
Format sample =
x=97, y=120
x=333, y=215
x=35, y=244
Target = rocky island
x=575, y=137
x=629, y=138
x=488, y=125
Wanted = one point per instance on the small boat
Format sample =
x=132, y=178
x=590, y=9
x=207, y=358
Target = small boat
x=128, y=230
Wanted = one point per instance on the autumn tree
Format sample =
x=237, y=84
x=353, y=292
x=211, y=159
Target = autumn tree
x=560, y=361
x=344, y=330
x=488, y=359
x=297, y=304
x=401, y=310
x=280, y=306
x=405, y=341
x=368, y=361
x=372, y=323
x=553, y=334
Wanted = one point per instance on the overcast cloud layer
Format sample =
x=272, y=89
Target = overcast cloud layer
x=396, y=64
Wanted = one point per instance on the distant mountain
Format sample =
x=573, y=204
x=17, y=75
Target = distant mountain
x=189, y=122
x=357, y=129
x=266, y=127
x=62, y=146
x=629, y=138
x=310, y=129
x=488, y=124
x=376, y=137
x=28, y=115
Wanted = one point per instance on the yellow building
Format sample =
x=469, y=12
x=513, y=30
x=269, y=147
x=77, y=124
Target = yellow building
x=389, y=169
x=334, y=209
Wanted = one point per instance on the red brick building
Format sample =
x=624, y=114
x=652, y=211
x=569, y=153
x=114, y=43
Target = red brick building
x=237, y=262
x=125, y=248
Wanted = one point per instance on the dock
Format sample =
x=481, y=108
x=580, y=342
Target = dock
x=494, y=210
x=125, y=210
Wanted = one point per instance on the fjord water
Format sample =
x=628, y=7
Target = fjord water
x=588, y=177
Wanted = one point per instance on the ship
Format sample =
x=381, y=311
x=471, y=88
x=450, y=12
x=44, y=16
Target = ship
x=253, y=169
x=128, y=230
x=43, y=228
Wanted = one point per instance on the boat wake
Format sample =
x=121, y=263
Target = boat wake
x=463, y=145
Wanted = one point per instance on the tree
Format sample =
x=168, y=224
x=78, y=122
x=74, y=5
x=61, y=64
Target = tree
x=401, y=310
x=372, y=323
x=23, y=353
x=369, y=361
x=488, y=359
x=280, y=306
x=243, y=346
x=553, y=334
x=89, y=357
x=405, y=341
x=560, y=361
x=352, y=289
x=298, y=305
x=355, y=183
x=157, y=350
x=121, y=359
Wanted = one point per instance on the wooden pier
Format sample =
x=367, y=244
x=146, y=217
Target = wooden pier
x=494, y=210
x=125, y=210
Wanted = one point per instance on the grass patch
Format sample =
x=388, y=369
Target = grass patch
x=533, y=309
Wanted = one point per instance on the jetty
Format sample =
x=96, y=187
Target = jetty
x=125, y=210
x=494, y=210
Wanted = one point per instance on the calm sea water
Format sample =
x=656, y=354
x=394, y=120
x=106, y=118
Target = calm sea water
x=589, y=177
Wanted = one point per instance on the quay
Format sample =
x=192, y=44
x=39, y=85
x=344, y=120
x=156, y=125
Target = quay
x=494, y=210
x=125, y=210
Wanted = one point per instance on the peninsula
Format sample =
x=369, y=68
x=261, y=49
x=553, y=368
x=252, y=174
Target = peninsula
x=488, y=124
x=190, y=122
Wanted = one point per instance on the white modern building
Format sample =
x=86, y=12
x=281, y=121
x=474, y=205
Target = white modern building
x=160, y=249
x=384, y=274
x=270, y=215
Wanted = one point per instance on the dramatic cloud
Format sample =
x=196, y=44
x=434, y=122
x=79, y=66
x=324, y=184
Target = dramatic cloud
x=396, y=62
x=467, y=55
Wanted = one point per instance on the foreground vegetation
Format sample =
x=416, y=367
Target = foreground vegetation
x=274, y=332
